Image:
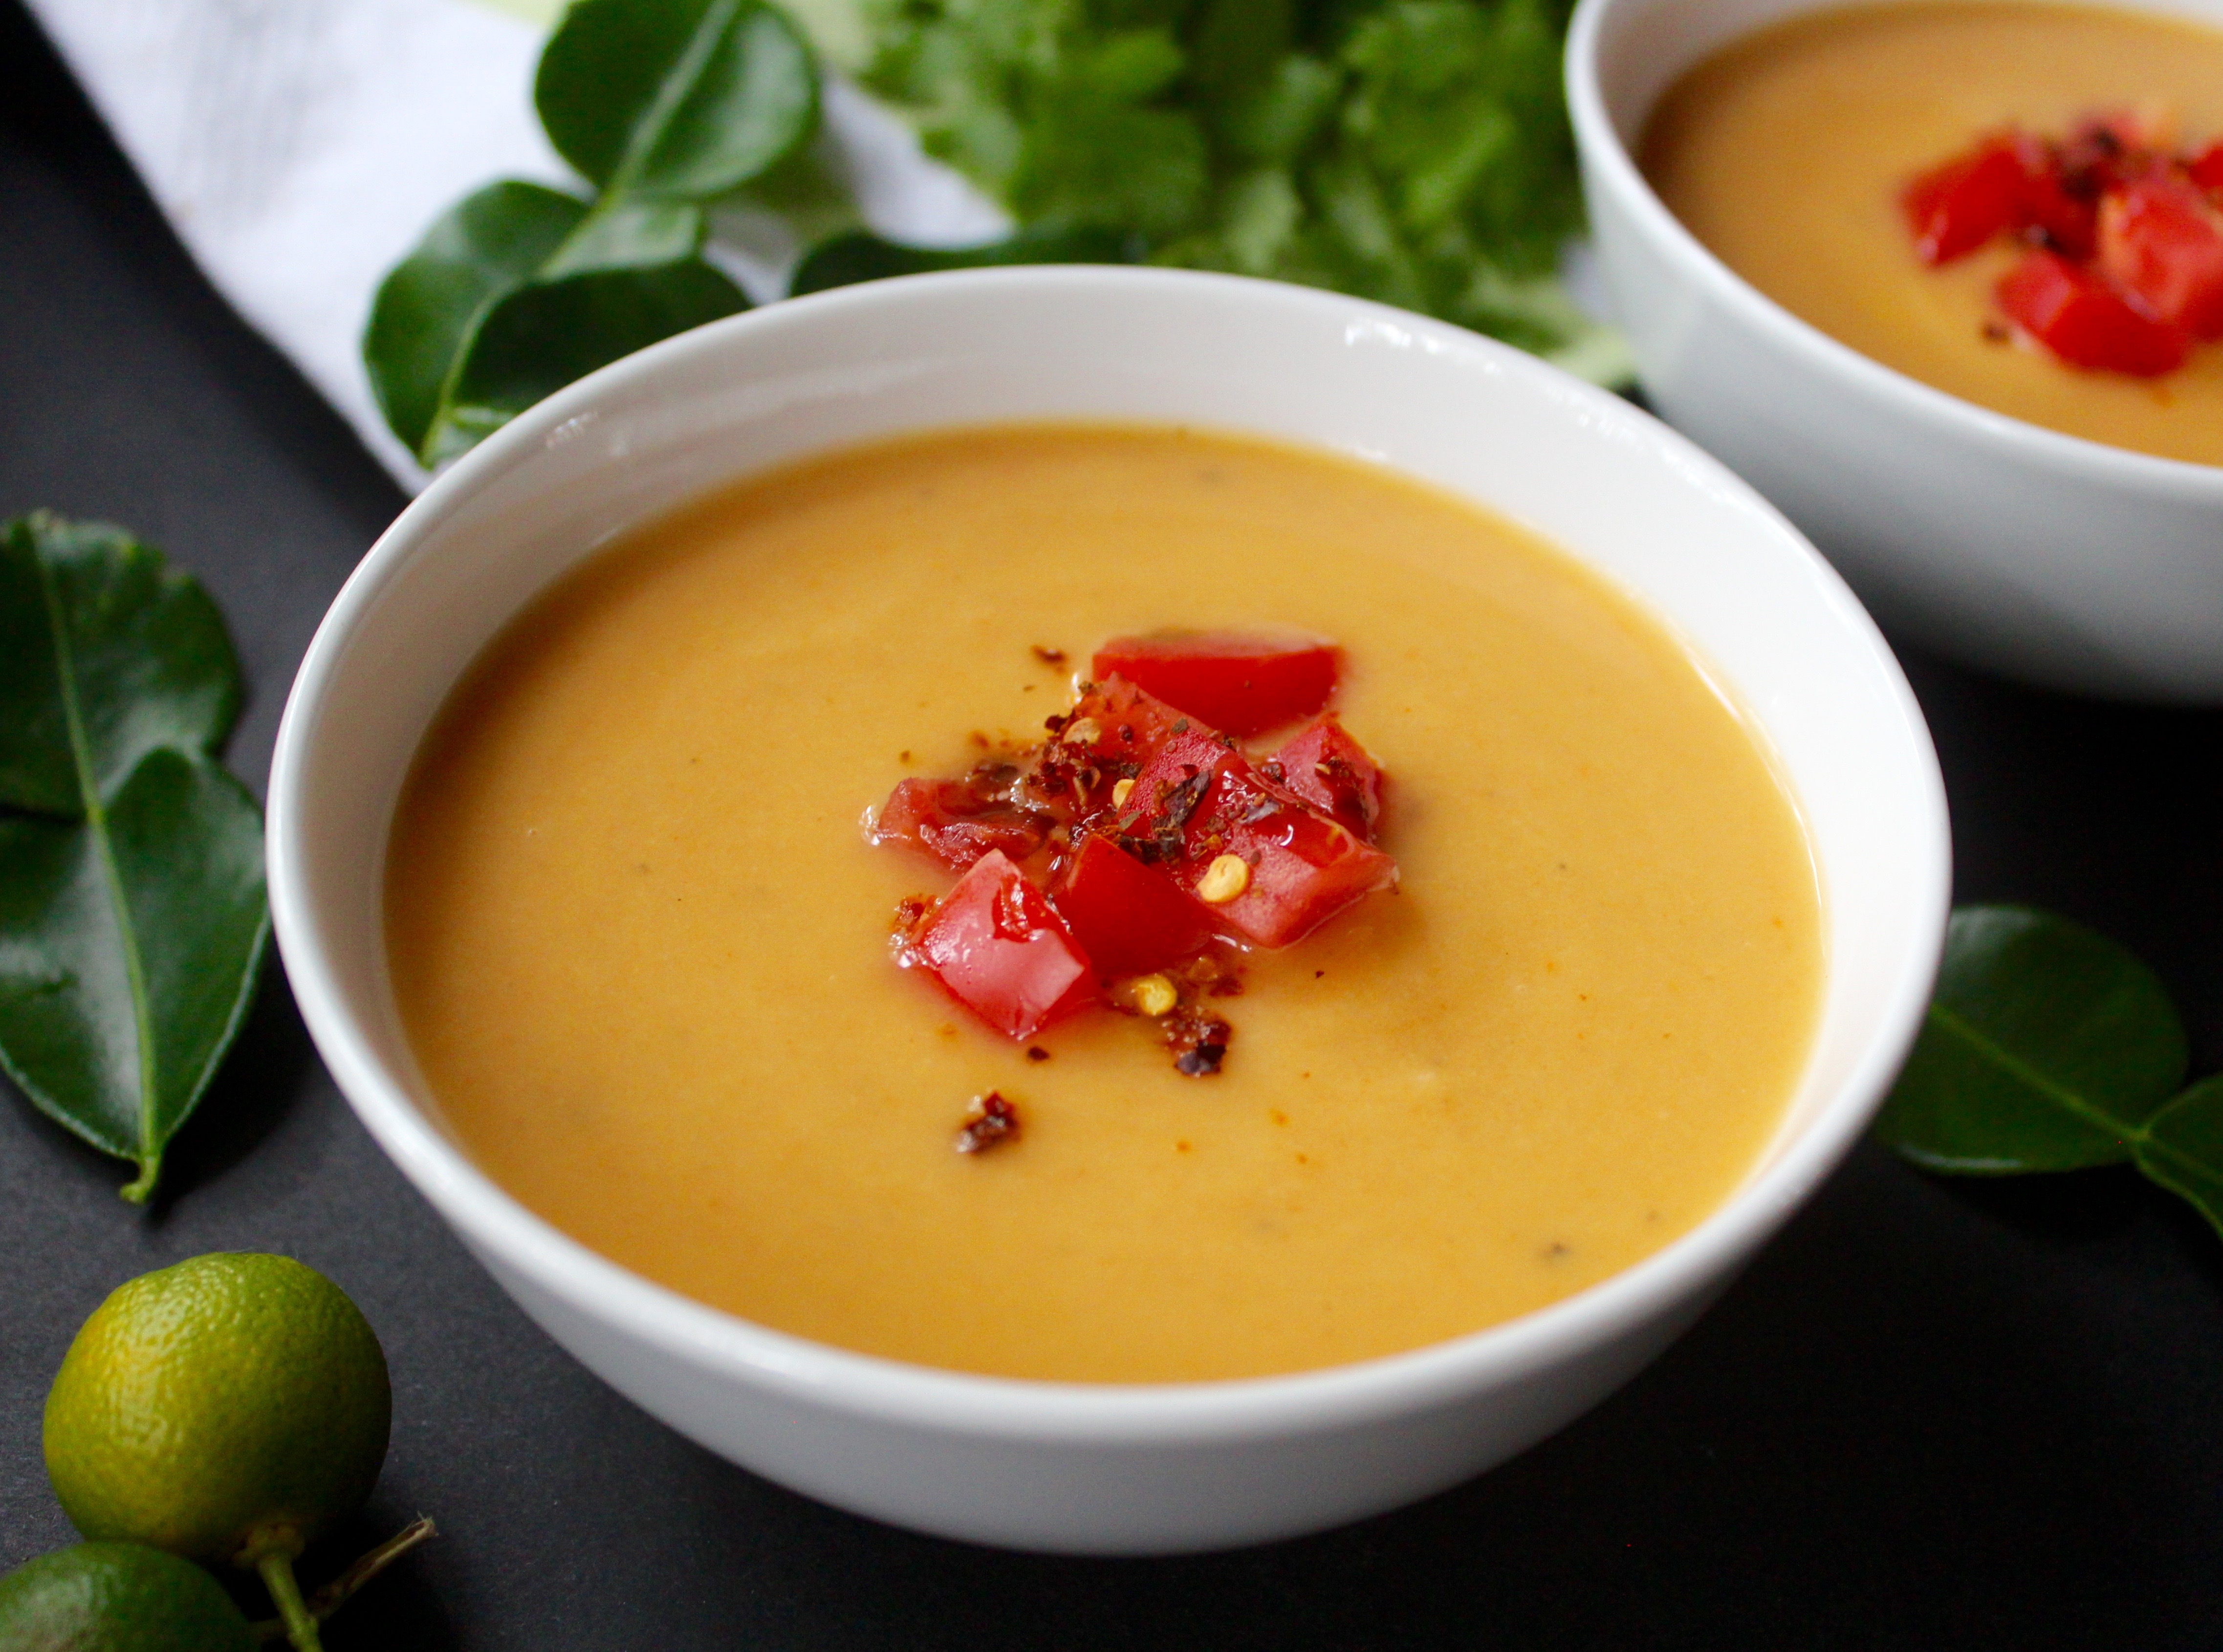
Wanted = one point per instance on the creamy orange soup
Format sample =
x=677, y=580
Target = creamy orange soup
x=1785, y=153
x=640, y=944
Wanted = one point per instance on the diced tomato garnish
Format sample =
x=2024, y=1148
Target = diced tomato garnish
x=1956, y=208
x=1201, y=798
x=2100, y=153
x=2161, y=246
x=1243, y=684
x=1002, y=951
x=1331, y=771
x=2133, y=134
x=951, y=821
x=2206, y=168
x=1129, y=724
x=1129, y=918
x=2067, y=220
x=1112, y=731
x=2086, y=323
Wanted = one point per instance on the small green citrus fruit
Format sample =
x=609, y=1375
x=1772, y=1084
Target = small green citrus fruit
x=229, y=1409
x=117, y=1598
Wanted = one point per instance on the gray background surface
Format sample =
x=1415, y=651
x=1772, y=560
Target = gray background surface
x=1933, y=1416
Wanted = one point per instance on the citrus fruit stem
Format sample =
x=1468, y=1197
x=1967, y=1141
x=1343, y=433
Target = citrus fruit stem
x=326, y=1600
x=334, y=1595
x=277, y=1570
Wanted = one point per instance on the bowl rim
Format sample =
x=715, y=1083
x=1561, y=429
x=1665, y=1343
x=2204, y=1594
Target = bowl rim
x=1599, y=140
x=500, y=1229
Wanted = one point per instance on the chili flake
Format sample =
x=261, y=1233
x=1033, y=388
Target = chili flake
x=990, y=1121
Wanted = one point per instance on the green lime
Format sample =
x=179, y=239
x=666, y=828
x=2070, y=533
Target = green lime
x=229, y=1409
x=117, y=1598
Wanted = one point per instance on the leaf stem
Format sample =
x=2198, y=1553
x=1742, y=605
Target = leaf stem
x=139, y=1191
x=276, y=1569
x=149, y=1156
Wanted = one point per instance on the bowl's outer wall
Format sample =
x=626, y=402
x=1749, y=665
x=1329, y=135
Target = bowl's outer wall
x=2018, y=549
x=1051, y=1465
x=1160, y=1497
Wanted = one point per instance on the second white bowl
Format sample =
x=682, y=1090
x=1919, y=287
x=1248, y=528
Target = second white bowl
x=2017, y=549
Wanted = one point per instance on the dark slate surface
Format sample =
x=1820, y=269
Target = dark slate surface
x=1931, y=1416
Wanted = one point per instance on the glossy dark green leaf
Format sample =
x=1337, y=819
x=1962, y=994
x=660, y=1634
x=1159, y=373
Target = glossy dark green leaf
x=489, y=244
x=544, y=336
x=631, y=235
x=105, y=654
x=683, y=99
x=664, y=105
x=843, y=260
x=2046, y=1048
x=132, y=921
x=133, y=943
x=2183, y=1148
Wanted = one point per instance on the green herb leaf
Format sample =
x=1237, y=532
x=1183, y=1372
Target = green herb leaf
x=1096, y=160
x=2183, y=1148
x=544, y=336
x=1277, y=120
x=488, y=244
x=1414, y=151
x=842, y=260
x=1237, y=44
x=2046, y=1048
x=132, y=912
x=675, y=99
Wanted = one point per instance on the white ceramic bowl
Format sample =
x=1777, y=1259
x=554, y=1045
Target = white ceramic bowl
x=2017, y=549
x=1076, y=1466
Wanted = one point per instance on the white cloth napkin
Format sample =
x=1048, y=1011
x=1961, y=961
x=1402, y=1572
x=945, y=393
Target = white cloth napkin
x=301, y=146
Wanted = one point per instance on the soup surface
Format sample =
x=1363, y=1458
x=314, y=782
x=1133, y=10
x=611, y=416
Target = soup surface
x=1785, y=154
x=640, y=944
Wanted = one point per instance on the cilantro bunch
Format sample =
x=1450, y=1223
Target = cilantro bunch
x=1412, y=151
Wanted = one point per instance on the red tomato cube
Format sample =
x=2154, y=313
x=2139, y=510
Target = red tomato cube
x=1201, y=798
x=1243, y=684
x=1327, y=768
x=2067, y=222
x=2206, y=167
x=2161, y=246
x=1118, y=723
x=1956, y=208
x=999, y=947
x=1128, y=917
x=1112, y=731
x=2085, y=322
x=952, y=823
